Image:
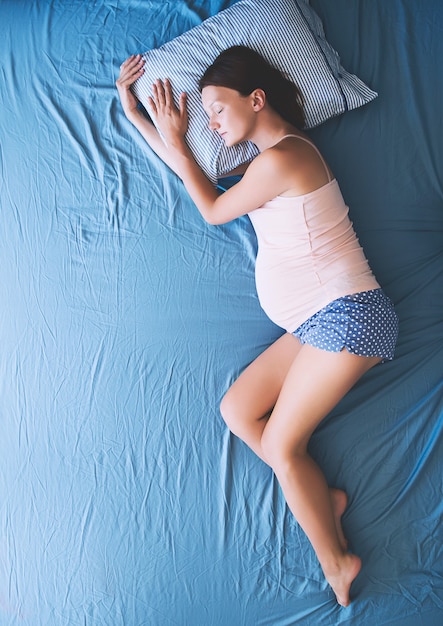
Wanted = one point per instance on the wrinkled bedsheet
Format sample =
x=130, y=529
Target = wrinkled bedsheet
x=124, y=500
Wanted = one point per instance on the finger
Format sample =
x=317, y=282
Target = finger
x=138, y=68
x=129, y=61
x=182, y=102
x=159, y=93
x=132, y=63
x=169, y=100
x=126, y=61
x=151, y=106
x=131, y=73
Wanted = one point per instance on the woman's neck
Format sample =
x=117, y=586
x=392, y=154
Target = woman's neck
x=269, y=129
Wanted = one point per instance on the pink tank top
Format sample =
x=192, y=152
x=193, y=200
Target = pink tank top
x=308, y=254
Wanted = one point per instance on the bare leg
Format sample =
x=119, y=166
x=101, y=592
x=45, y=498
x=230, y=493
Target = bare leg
x=315, y=383
x=339, y=502
x=248, y=404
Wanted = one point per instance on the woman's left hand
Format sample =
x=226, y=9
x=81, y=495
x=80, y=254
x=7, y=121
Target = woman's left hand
x=172, y=121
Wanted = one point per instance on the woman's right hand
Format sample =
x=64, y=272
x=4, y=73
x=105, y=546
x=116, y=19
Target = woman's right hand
x=130, y=70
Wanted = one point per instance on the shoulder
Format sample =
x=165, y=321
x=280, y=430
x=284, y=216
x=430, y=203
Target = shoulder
x=268, y=171
x=287, y=168
x=275, y=159
x=263, y=180
x=291, y=151
x=279, y=167
x=301, y=167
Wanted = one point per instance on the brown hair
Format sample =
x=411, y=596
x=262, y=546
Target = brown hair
x=244, y=70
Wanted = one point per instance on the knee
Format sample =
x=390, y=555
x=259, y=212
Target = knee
x=272, y=448
x=235, y=414
x=229, y=411
x=279, y=451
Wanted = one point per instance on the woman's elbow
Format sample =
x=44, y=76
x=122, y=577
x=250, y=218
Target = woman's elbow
x=213, y=219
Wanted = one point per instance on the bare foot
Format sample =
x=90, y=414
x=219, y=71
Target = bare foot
x=339, y=501
x=341, y=579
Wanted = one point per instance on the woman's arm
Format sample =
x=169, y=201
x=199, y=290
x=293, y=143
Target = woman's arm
x=256, y=186
x=261, y=181
x=174, y=150
x=130, y=70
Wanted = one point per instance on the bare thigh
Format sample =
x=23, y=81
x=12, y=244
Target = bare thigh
x=314, y=384
x=253, y=395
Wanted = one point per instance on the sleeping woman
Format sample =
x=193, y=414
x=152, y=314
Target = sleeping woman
x=312, y=278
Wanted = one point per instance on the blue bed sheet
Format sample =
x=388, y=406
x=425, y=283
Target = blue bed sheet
x=124, y=500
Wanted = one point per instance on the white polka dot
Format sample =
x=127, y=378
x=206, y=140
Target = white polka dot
x=364, y=323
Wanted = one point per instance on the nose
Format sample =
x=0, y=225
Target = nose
x=213, y=124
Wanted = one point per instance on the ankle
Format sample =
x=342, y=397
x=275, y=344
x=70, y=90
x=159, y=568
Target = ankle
x=334, y=565
x=343, y=577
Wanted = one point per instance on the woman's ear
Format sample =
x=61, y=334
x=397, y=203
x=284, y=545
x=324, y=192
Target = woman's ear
x=258, y=99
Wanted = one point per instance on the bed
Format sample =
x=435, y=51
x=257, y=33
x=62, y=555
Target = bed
x=124, y=317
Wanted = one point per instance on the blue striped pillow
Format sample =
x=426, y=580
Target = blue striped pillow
x=289, y=34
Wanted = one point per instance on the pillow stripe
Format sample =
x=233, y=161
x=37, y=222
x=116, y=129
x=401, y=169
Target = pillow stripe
x=289, y=34
x=313, y=23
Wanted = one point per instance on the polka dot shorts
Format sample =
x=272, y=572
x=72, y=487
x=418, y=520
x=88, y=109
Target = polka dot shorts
x=364, y=323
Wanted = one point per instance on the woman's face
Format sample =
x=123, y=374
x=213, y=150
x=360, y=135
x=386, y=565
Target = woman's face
x=231, y=115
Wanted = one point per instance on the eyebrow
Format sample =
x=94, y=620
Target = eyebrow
x=209, y=106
